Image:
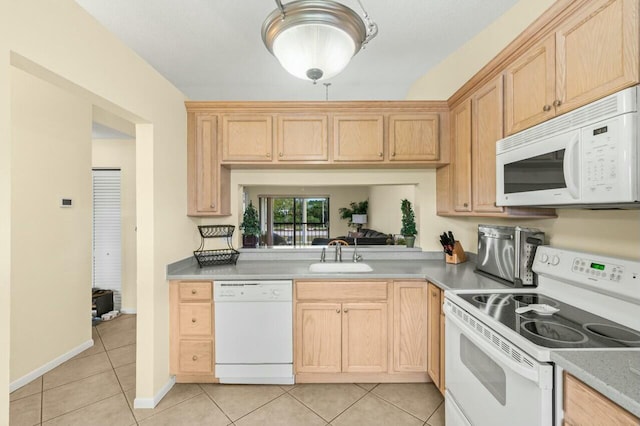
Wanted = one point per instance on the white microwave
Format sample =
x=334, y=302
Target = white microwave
x=586, y=158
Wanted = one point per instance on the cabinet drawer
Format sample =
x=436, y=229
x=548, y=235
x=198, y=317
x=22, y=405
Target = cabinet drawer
x=195, y=291
x=341, y=290
x=195, y=319
x=196, y=356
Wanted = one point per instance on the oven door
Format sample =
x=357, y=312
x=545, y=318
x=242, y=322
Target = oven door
x=485, y=386
x=544, y=172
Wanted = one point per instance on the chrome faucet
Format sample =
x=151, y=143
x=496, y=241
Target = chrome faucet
x=356, y=257
x=338, y=255
x=323, y=255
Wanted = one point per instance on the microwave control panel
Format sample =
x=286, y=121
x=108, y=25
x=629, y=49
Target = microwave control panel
x=607, y=159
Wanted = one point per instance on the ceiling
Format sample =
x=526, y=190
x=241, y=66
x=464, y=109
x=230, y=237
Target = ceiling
x=213, y=50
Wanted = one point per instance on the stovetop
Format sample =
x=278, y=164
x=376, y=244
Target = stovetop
x=570, y=327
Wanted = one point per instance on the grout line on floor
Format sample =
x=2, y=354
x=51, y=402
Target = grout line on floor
x=434, y=413
x=214, y=402
x=257, y=408
x=337, y=415
x=167, y=408
x=75, y=409
x=401, y=409
x=41, y=399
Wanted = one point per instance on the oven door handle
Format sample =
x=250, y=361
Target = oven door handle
x=498, y=355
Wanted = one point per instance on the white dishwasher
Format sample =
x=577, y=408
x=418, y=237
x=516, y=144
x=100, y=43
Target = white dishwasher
x=254, y=331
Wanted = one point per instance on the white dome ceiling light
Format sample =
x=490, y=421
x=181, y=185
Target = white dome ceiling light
x=314, y=39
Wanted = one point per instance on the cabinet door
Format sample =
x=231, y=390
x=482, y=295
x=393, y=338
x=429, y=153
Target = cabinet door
x=302, y=137
x=358, y=138
x=461, y=156
x=247, y=138
x=596, y=52
x=585, y=406
x=206, y=177
x=434, y=310
x=317, y=343
x=410, y=326
x=487, y=130
x=414, y=137
x=364, y=338
x=530, y=87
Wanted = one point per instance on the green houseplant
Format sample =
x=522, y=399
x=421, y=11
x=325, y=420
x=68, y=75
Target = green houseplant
x=250, y=227
x=354, y=208
x=408, y=229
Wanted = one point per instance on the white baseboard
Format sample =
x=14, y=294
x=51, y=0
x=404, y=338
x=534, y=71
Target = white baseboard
x=128, y=311
x=28, y=378
x=152, y=402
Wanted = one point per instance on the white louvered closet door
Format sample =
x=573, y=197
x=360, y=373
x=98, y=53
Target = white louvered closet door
x=107, y=235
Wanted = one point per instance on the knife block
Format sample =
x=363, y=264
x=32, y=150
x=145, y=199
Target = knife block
x=458, y=255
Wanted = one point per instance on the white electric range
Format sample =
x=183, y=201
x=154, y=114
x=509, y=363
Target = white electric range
x=498, y=369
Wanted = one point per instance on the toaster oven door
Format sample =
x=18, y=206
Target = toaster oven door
x=496, y=252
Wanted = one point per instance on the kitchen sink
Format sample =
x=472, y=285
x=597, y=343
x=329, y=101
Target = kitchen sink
x=338, y=267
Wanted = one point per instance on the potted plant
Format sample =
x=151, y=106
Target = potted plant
x=358, y=208
x=408, y=229
x=250, y=227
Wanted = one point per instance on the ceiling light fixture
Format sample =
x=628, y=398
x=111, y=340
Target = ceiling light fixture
x=314, y=39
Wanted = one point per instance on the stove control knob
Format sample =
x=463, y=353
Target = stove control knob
x=544, y=258
x=555, y=260
x=275, y=293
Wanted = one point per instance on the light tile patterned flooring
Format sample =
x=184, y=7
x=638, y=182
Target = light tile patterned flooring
x=97, y=387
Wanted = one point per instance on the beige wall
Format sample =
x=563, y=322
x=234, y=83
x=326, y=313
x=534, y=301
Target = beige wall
x=441, y=81
x=121, y=154
x=5, y=214
x=339, y=196
x=384, y=204
x=51, y=246
x=59, y=42
x=614, y=233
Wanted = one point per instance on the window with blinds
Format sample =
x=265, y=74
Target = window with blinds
x=107, y=233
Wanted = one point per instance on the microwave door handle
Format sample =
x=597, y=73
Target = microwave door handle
x=570, y=167
x=488, y=348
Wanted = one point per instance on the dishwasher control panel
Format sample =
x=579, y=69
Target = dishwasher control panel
x=252, y=291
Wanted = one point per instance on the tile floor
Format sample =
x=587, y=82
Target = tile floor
x=97, y=387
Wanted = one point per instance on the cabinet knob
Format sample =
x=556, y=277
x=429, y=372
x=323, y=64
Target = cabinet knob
x=195, y=357
x=393, y=154
x=194, y=291
x=546, y=108
x=346, y=310
x=280, y=154
x=466, y=204
x=193, y=320
x=337, y=311
x=379, y=154
x=434, y=294
x=557, y=103
x=213, y=205
x=268, y=154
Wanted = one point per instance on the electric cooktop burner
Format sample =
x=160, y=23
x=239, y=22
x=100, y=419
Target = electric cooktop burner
x=570, y=327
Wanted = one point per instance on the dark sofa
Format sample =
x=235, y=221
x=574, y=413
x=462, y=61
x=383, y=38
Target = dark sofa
x=370, y=237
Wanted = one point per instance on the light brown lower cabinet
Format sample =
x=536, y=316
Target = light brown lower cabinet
x=585, y=406
x=191, y=331
x=435, y=334
x=360, y=331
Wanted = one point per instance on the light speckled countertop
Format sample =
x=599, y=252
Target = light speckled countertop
x=615, y=374
x=606, y=371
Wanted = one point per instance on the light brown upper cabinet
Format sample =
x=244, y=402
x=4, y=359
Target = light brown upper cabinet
x=590, y=55
x=205, y=175
x=414, y=137
x=486, y=131
x=467, y=187
x=247, y=138
x=461, y=156
x=302, y=137
x=358, y=137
